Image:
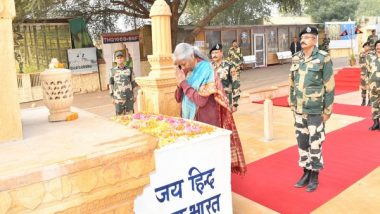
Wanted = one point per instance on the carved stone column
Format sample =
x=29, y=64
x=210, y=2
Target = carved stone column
x=10, y=119
x=159, y=86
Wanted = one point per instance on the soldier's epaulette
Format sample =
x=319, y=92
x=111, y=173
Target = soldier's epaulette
x=297, y=54
x=324, y=53
x=296, y=57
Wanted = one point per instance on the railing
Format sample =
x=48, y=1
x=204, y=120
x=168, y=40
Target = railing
x=29, y=87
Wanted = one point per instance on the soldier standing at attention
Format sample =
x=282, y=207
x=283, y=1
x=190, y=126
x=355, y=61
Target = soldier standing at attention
x=363, y=73
x=122, y=85
x=372, y=39
x=373, y=68
x=235, y=57
x=311, y=98
x=325, y=44
x=228, y=76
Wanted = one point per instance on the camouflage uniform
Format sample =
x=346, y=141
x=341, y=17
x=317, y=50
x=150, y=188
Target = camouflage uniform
x=363, y=75
x=230, y=80
x=311, y=94
x=325, y=44
x=373, y=68
x=122, y=86
x=235, y=57
x=372, y=39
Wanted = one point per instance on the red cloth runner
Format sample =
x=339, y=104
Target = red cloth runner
x=350, y=153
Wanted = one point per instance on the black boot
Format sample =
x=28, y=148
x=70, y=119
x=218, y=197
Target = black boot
x=375, y=124
x=313, y=183
x=363, y=102
x=304, y=180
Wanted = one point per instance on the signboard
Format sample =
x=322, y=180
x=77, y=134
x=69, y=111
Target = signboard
x=335, y=29
x=193, y=176
x=82, y=60
x=117, y=38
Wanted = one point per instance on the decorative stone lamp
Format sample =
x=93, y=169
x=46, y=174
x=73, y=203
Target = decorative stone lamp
x=57, y=93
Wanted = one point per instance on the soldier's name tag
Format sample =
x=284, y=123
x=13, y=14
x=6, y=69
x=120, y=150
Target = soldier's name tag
x=315, y=61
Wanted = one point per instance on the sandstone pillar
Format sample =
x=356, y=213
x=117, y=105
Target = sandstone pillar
x=10, y=119
x=159, y=86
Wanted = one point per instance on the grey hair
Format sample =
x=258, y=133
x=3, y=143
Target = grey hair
x=184, y=51
x=198, y=53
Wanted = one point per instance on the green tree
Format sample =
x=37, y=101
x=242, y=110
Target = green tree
x=369, y=8
x=246, y=12
x=102, y=14
x=332, y=10
x=33, y=9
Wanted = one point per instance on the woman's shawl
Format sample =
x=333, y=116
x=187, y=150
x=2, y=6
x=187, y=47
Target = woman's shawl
x=201, y=76
x=226, y=121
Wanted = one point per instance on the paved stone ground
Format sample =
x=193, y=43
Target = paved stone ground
x=274, y=74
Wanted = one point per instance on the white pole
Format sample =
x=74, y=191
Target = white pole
x=268, y=120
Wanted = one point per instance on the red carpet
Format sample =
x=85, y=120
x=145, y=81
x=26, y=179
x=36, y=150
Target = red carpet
x=350, y=153
x=347, y=80
x=352, y=110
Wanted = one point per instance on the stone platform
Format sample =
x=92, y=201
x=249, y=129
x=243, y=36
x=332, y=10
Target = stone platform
x=84, y=166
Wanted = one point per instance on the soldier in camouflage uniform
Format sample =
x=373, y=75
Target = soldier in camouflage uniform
x=235, y=57
x=372, y=39
x=325, y=44
x=373, y=68
x=122, y=86
x=228, y=76
x=363, y=73
x=311, y=98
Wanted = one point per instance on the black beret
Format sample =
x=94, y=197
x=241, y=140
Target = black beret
x=365, y=44
x=216, y=47
x=308, y=29
x=378, y=41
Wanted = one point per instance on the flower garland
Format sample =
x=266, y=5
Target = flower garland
x=166, y=129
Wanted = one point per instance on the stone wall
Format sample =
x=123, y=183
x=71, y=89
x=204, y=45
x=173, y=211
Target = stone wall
x=85, y=83
x=90, y=165
x=342, y=52
x=29, y=85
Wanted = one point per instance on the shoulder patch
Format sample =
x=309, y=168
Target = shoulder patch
x=296, y=56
